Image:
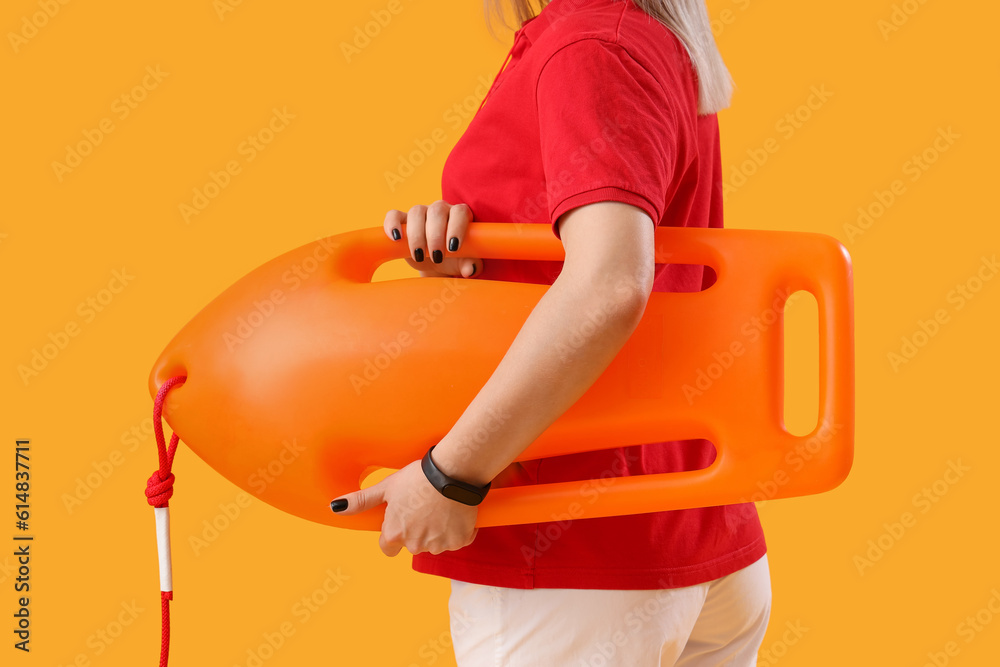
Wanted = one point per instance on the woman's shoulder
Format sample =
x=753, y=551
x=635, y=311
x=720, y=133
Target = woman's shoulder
x=618, y=26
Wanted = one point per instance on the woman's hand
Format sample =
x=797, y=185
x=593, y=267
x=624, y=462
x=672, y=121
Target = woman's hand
x=417, y=516
x=432, y=232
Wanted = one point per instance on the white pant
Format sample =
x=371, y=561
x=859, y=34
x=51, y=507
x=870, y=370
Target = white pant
x=719, y=622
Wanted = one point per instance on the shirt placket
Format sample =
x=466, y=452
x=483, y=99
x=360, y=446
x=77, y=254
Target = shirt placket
x=503, y=68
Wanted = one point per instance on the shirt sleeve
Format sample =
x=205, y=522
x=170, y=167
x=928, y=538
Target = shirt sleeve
x=607, y=130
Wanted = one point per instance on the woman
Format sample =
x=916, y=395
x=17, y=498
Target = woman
x=603, y=125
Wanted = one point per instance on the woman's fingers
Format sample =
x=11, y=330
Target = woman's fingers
x=416, y=218
x=431, y=233
x=459, y=218
x=465, y=267
x=470, y=267
x=393, y=224
x=458, y=225
x=435, y=227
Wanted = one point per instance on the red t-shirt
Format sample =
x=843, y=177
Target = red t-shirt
x=597, y=102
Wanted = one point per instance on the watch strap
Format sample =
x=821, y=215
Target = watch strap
x=456, y=490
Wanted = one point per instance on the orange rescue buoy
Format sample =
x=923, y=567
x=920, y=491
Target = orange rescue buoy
x=289, y=372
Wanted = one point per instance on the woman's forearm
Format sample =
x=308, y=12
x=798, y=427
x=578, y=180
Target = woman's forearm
x=574, y=332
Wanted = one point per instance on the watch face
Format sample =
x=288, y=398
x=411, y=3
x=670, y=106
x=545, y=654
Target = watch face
x=461, y=495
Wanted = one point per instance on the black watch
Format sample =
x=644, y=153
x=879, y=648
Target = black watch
x=467, y=494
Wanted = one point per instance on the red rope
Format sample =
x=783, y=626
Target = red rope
x=159, y=489
x=165, y=598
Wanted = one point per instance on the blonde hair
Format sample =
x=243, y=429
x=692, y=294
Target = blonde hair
x=687, y=19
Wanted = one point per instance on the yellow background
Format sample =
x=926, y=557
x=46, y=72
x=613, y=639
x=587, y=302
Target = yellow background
x=324, y=173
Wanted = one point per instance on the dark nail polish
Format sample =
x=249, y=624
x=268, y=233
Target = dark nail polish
x=453, y=244
x=339, y=505
x=418, y=254
x=395, y=235
x=437, y=256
